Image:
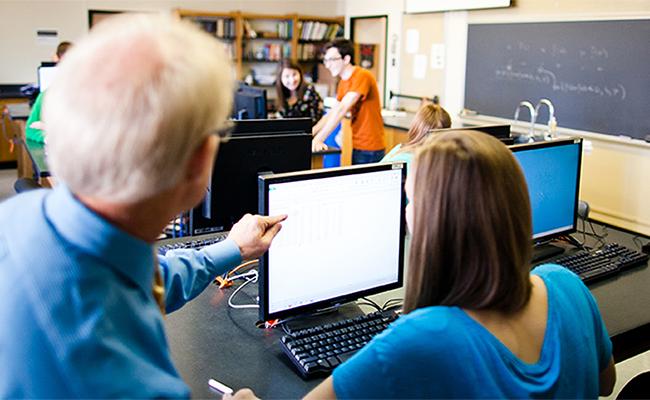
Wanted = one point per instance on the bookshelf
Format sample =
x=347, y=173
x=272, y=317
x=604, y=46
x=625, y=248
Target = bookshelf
x=256, y=42
x=265, y=38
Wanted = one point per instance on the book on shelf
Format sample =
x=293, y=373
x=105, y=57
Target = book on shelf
x=223, y=28
x=282, y=31
x=319, y=31
x=267, y=51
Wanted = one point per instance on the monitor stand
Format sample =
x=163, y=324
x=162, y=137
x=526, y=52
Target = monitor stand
x=544, y=251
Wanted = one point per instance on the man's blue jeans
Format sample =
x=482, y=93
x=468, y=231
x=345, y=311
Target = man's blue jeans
x=367, y=157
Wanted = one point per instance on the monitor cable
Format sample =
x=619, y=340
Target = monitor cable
x=247, y=273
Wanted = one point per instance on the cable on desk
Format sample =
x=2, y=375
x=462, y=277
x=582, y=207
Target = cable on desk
x=601, y=237
x=366, y=301
x=250, y=276
x=225, y=280
x=390, y=303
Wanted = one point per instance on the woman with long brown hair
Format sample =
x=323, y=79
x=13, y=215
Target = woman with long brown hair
x=296, y=98
x=477, y=322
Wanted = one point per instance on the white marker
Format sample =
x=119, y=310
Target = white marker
x=220, y=387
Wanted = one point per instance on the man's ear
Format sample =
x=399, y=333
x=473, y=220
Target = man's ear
x=201, y=162
x=347, y=59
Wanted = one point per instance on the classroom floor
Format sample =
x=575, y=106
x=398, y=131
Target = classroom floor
x=625, y=370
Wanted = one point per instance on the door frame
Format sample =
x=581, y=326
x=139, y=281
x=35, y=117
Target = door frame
x=385, y=16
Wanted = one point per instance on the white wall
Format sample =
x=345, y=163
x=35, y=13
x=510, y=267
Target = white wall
x=20, y=19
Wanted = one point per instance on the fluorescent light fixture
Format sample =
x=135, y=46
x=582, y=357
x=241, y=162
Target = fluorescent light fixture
x=426, y=6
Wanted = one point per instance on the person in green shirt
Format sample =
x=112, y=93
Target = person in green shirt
x=34, y=129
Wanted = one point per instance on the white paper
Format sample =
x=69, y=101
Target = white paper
x=412, y=41
x=419, y=66
x=47, y=37
x=437, y=56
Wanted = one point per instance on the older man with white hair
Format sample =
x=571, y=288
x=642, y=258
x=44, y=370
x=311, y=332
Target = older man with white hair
x=131, y=123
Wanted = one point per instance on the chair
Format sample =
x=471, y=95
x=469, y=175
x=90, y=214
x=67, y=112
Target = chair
x=637, y=388
x=25, y=184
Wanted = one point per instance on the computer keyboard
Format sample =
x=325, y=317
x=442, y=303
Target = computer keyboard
x=190, y=242
x=593, y=265
x=318, y=350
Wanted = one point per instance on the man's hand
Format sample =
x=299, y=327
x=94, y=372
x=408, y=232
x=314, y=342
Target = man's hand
x=254, y=233
x=242, y=394
x=317, y=145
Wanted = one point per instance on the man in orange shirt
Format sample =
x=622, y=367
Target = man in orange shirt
x=357, y=93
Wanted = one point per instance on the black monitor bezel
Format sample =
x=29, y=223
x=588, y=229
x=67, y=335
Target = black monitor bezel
x=487, y=129
x=557, y=143
x=254, y=127
x=263, y=186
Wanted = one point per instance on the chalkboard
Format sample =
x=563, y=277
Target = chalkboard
x=596, y=73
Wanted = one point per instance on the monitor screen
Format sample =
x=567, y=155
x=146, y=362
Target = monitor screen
x=552, y=171
x=250, y=102
x=343, y=238
x=46, y=75
x=232, y=192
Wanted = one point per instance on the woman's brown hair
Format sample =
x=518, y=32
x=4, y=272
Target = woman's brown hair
x=428, y=117
x=471, y=242
x=283, y=93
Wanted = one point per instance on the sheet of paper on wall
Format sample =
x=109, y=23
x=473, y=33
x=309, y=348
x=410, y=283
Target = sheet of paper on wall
x=45, y=37
x=419, y=66
x=412, y=41
x=437, y=56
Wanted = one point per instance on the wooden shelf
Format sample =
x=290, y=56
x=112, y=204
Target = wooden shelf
x=254, y=60
x=266, y=38
x=239, y=42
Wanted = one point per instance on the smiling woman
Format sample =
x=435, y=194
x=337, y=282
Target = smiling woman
x=296, y=98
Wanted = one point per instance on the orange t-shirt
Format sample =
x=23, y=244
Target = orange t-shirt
x=367, y=123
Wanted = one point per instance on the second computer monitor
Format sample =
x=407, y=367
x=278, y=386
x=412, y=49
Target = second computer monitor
x=552, y=171
x=255, y=147
x=343, y=238
x=250, y=102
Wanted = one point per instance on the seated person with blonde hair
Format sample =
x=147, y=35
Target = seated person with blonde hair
x=429, y=117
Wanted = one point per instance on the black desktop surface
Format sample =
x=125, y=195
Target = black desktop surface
x=210, y=340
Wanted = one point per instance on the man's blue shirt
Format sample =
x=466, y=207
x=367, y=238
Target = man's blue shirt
x=77, y=313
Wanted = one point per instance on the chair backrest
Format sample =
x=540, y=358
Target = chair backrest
x=637, y=388
x=25, y=184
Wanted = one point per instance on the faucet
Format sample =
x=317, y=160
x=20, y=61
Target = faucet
x=533, y=116
x=552, y=122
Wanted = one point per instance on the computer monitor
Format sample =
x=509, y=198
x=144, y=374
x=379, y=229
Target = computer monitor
x=255, y=147
x=253, y=127
x=501, y=132
x=552, y=171
x=46, y=74
x=343, y=238
x=250, y=102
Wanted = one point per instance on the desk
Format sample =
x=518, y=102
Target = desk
x=36, y=152
x=210, y=340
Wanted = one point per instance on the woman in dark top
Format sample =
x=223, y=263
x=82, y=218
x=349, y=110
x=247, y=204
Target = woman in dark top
x=297, y=98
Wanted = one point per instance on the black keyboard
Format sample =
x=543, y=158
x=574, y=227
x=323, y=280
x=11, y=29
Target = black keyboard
x=318, y=350
x=593, y=265
x=190, y=242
